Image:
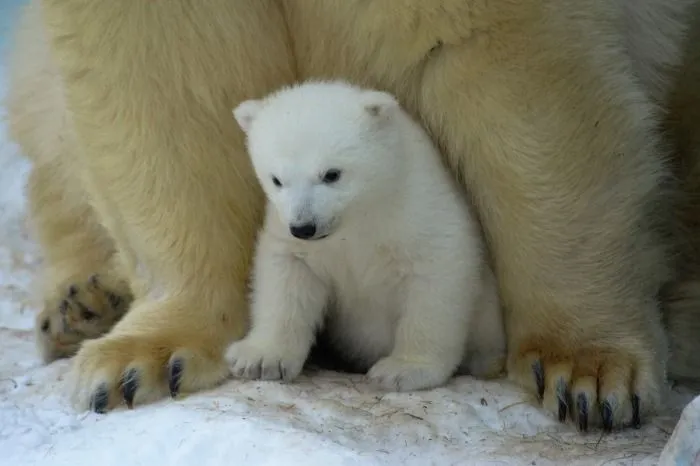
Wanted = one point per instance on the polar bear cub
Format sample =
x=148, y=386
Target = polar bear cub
x=366, y=236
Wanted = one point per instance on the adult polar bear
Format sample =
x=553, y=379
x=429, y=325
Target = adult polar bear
x=545, y=108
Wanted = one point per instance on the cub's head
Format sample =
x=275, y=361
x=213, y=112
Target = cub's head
x=323, y=152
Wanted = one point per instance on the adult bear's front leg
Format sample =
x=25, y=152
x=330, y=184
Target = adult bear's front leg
x=151, y=86
x=557, y=143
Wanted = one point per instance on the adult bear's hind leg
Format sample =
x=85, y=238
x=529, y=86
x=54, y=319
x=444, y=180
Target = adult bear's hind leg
x=82, y=292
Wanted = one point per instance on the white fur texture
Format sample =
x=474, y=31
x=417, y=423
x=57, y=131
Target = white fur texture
x=396, y=269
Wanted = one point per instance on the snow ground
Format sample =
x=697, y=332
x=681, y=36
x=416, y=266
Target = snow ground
x=323, y=419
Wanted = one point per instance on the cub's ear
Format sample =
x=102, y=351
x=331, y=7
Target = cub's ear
x=379, y=104
x=246, y=112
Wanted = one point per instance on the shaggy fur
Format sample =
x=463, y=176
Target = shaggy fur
x=547, y=109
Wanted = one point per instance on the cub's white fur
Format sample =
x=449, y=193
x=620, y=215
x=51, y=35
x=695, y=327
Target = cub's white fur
x=367, y=234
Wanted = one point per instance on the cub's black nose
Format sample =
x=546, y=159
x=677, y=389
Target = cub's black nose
x=303, y=231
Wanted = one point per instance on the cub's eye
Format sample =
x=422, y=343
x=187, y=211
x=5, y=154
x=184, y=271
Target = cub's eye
x=331, y=176
x=276, y=181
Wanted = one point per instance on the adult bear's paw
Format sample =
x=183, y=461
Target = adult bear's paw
x=594, y=385
x=83, y=310
x=139, y=364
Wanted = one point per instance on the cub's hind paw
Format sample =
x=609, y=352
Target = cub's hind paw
x=403, y=375
x=484, y=364
x=592, y=388
x=84, y=310
x=250, y=360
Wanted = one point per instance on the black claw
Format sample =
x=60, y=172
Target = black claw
x=582, y=405
x=562, y=398
x=45, y=325
x=174, y=377
x=539, y=378
x=606, y=413
x=113, y=299
x=63, y=307
x=72, y=291
x=130, y=383
x=435, y=47
x=94, y=280
x=636, y=420
x=100, y=399
x=86, y=313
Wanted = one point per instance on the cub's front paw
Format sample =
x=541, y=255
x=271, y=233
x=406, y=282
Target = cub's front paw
x=84, y=310
x=254, y=360
x=592, y=385
x=403, y=374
